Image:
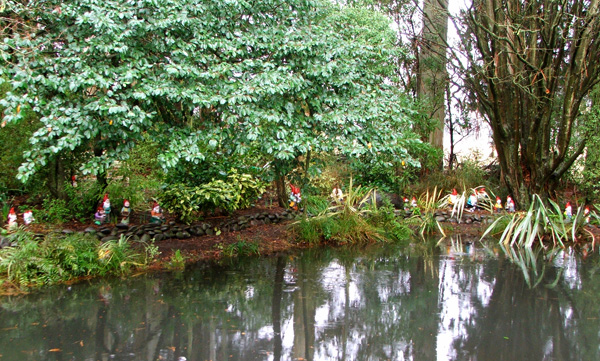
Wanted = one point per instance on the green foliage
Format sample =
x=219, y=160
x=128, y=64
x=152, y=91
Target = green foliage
x=238, y=192
x=177, y=261
x=240, y=249
x=541, y=224
x=55, y=211
x=425, y=217
x=275, y=80
x=315, y=204
x=357, y=219
x=57, y=258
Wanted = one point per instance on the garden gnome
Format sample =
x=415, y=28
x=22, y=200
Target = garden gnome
x=337, y=195
x=472, y=202
x=125, y=212
x=510, y=205
x=405, y=202
x=295, y=197
x=569, y=211
x=99, y=216
x=586, y=214
x=156, y=215
x=74, y=181
x=12, y=219
x=28, y=217
x=498, y=205
x=482, y=194
x=413, y=202
x=106, y=206
x=453, y=197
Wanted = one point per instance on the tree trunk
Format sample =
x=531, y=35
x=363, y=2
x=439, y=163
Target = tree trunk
x=432, y=77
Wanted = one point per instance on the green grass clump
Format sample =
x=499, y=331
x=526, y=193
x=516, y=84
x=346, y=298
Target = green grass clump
x=58, y=258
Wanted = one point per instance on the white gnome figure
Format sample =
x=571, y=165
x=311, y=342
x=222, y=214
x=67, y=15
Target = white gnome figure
x=569, y=211
x=453, y=197
x=12, y=219
x=28, y=217
x=106, y=207
x=510, y=205
x=337, y=195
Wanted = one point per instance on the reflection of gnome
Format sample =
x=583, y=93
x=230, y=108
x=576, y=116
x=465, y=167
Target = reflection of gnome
x=125, y=212
x=106, y=206
x=295, y=197
x=28, y=217
x=156, y=215
x=12, y=220
x=99, y=216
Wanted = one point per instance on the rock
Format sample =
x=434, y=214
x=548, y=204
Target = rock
x=159, y=237
x=468, y=220
x=172, y=223
x=122, y=226
x=114, y=231
x=109, y=238
x=210, y=232
x=440, y=218
x=179, y=235
x=90, y=230
x=67, y=231
x=145, y=238
x=104, y=230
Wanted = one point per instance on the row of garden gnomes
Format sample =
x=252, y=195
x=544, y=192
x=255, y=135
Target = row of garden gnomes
x=569, y=212
x=12, y=223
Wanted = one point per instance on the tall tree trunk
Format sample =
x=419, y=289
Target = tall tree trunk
x=432, y=77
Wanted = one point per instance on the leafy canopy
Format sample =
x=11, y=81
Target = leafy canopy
x=280, y=77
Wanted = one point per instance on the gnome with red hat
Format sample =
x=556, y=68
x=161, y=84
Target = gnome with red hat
x=586, y=214
x=99, y=216
x=125, y=212
x=12, y=219
x=568, y=211
x=295, y=197
x=498, y=205
x=453, y=197
x=156, y=215
x=28, y=217
x=510, y=205
x=106, y=206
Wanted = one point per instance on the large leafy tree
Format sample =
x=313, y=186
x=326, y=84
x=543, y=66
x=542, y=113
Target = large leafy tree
x=532, y=66
x=283, y=77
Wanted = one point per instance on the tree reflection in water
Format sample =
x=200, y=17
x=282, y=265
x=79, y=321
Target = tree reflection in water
x=454, y=301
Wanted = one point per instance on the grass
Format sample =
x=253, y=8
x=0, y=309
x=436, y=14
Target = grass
x=58, y=258
x=543, y=224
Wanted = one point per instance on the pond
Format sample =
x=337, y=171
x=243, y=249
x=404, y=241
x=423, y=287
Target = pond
x=452, y=302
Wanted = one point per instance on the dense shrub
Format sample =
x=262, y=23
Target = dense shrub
x=238, y=192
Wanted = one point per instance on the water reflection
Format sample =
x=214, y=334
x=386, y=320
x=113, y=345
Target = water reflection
x=457, y=301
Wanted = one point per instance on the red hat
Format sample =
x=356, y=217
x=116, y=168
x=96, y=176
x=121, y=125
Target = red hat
x=482, y=190
x=12, y=210
x=294, y=189
x=454, y=192
x=568, y=204
x=414, y=198
x=105, y=197
x=155, y=204
x=100, y=208
x=73, y=178
x=125, y=201
x=498, y=198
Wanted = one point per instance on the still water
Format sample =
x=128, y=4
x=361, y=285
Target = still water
x=450, y=302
